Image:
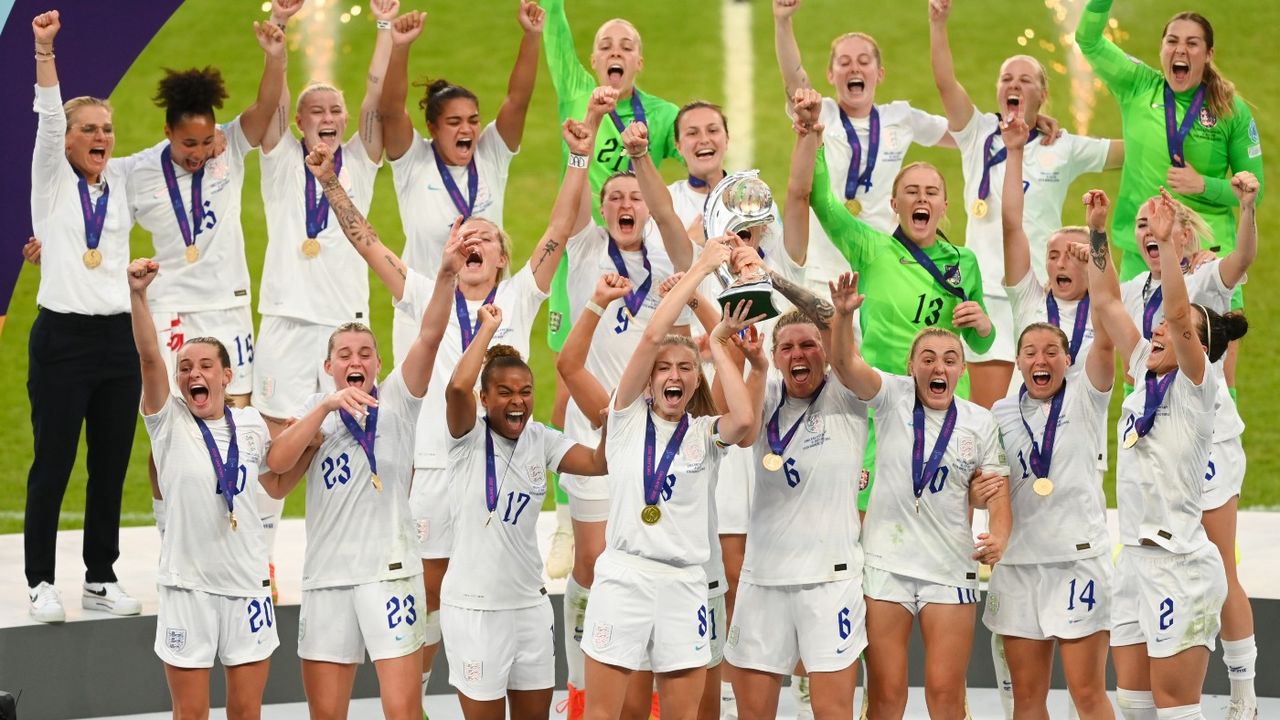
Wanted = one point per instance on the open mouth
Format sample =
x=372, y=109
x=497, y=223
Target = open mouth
x=856, y=84
x=1063, y=282
x=464, y=144
x=672, y=393
x=474, y=259
x=1181, y=69
x=1041, y=378
x=937, y=386
x=355, y=378
x=1153, y=249
x=1013, y=102
x=800, y=373
x=328, y=134
x=98, y=153
x=615, y=71
x=627, y=222
x=920, y=218
x=515, y=417
x=1157, y=346
x=705, y=153
x=199, y=392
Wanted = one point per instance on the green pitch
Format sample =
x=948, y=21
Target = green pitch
x=474, y=44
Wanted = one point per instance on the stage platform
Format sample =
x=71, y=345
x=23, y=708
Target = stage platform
x=96, y=665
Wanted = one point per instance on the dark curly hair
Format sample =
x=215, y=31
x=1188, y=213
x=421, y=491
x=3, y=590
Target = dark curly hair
x=190, y=92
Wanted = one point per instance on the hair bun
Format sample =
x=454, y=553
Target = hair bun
x=499, y=351
x=1235, y=324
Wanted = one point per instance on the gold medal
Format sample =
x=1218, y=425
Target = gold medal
x=772, y=462
x=1042, y=486
x=233, y=521
x=979, y=208
x=917, y=506
x=854, y=206
x=377, y=484
x=92, y=258
x=193, y=253
x=311, y=247
x=1131, y=439
x=650, y=515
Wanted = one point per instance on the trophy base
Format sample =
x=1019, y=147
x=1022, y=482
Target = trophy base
x=760, y=294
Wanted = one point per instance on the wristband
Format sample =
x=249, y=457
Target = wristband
x=383, y=24
x=577, y=161
x=595, y=308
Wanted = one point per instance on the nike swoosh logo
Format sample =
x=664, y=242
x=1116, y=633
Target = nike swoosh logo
x=696, y=648
x=100, y=593
x=841, y=651
x=399, y=638
x=1162, y=639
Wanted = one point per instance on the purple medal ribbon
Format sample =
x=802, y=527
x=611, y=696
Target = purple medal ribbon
x=466, y=205
x=490, y=472
x=1156, y=390
x=1042, y=452
x=189, y=231
x=653, y=476
x=854, y=179
x=637, y=111
x=95, y=214
x=226, y=472
x=1082, y=318
x=1150, y=306
x=990, y=160
x=699, y=183
x=778, y=444
x=1175, y=132
x=367, y=435
x=949, y=280
x=317, y=215
x=922, y=472
x=465, y=325
x=634, y=299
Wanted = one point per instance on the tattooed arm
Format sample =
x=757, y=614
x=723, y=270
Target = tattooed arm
x=370, y=120
x=278, y=124
x=1104, y=286
x=359, y=232
x=815, y=308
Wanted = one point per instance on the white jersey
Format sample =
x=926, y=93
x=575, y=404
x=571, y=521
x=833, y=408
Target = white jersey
x=1071, y=522
x=67, y=285
x=804, y=520
x=199, y=550
x=1159, y=480
x=219, y=278
x=1204, y=287
x=333, y=287
x=503, y=541
x=427, y=211
x=356, y=534
x=520, y=299
x=680, y=537
x=935, y=543
x=1047, y=174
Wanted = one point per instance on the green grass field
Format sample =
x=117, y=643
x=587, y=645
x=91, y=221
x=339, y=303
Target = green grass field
x=684, y=61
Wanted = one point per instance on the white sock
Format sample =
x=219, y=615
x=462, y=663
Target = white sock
x=157, y=509
x=1182, y=712
x=1241, y=659
x=800, y=690
x=426, y=679
x=575, y=612
x=728, y=703
x=1004, y=680
x=563, y=520
x=1136, y=704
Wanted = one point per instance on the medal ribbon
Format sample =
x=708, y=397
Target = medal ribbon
x=776, y=444
x=226, y=472
x=95, y=214
x=854, y=179
x=466, y=327
x=367, y=435
x=1176, y=133
x=637, y=110
x=189, y=231
x=926, y=262
x=317, y=211
x=465, y=205
x=490, y=472
x=1149, y=309
x=1156, y=390
x=634, y=299
x=1042, y=453
x=653, y=476
x=921, y=471
x=990, y=160
x=1082, y=318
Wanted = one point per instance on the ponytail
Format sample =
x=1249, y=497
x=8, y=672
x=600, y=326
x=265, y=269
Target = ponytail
x=1218, y=330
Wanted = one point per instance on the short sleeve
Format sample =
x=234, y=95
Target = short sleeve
x=555, y=446
x=926, y=128
x=1026, y=297
x=970, y=136
x=493, y=147
x=892, y=390
x=1088, y=155
x=237, y=144
x=417, y=156
x=1138, y=359
x=845, y=399
x=417, y=293
x=622, y=422
x=993, y=457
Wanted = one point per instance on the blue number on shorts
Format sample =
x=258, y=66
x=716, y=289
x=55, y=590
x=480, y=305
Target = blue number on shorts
x=241, y=479
x=1086, y=595
x=939, y=480
x=1022, y=460
x=399, y=611
x=1166, y=613
x=702, y=621
x=711, y=615
x=244, y=349
x=259, y=614
x=668, y=487
x=789, y=470
x=624, y=320
x=521, y=501
x=1212, y=472
x=843, y=625
x=336, y=470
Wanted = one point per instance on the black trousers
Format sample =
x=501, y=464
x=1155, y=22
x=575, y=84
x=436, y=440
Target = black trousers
x=83, y=370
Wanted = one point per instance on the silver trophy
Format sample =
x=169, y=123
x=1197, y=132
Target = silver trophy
x=738, y=203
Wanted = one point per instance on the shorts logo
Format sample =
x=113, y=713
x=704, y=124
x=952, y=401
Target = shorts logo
x=602, y=635
x=175, y=639
x=537, y=475
x=1207, y=118
x=813, y=424
x=423, y=526
x=864, y=479
x=302, y=629
x=993, y=603
x=472, y=672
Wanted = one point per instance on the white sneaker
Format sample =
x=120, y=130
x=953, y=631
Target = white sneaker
x=109, y=597
x=1242, y=710
x=560, y=556
x=46, y=604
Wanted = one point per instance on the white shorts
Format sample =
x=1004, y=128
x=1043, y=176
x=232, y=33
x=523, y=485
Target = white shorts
x=717, y=628
x=644, y=614
x=822, y=624
x=1066, y=600
x=432, y=512
x=193, y=627
x=1170, y=602
x=232, y=327
x=1225, y=474
x=1000, y=310
x=733, y=490
x=580, y=487
x=493, y=651
x=387, y=617
x=289, y=363
x=912, y=593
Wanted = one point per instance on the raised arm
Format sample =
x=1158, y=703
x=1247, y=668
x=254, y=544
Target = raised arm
x=749, y=344
x=787, y=49
x=806, y=104
x=459, y=394
x=675, y=236
x=1100, y=362
x=256, y=118
x=568, y=75
x=954, y=98
x=851, y=369
x=384, y=12
x=524, y=75
x=45, y=27
x=1017, y=248
x=1105, y=304
x=1178, y=315
x=735, y=424
x=416, y=366
x=278, y=122
x=155, y=376
x=397, y=128
x=591, y=397
x=1234, y=266
x=1112, y=65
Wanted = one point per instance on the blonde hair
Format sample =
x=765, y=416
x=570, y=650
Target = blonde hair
x=875, y=46
x=897, y=179
x=351, y=327
x=596, y=40
x=318, y=87
x=503, y=239
x=1188, y=219
x=1041, y=75
x=701, y=404
x=1220, y=93
x=71, y=106
x=933, y=331
x=791, y=317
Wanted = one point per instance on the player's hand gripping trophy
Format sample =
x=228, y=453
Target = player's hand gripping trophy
x=737, y=204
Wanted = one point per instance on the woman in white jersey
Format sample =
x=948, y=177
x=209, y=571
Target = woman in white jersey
x=1211, y=284
x=361, y=579
x=1170, y=584
x=462, y=170
x=1048, y=171
x=498, y=624
x=215, y=591
x=933, y=450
